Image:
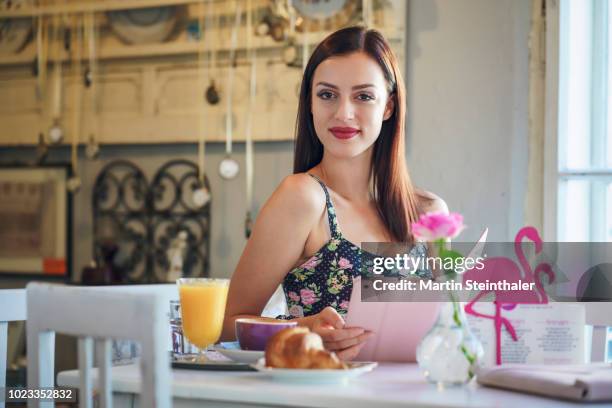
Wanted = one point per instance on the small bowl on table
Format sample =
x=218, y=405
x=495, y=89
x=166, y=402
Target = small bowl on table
x=253, y=334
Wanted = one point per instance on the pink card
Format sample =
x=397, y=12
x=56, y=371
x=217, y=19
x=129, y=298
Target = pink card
x=398, y=326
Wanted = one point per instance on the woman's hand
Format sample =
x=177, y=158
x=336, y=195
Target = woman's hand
x=346, y=342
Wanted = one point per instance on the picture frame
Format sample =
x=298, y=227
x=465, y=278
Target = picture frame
x=35, y=221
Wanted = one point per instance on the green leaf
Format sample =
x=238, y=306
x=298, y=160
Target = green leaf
x=446, y=254
x=449, y=253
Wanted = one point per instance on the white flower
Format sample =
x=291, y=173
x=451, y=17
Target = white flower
x=296, y=311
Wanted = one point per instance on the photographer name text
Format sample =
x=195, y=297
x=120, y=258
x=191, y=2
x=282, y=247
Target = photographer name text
x=411, y=285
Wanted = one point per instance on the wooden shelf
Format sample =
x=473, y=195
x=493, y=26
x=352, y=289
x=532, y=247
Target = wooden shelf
x=90, y=6
x=153, y=93
x=181, y=46
x=110, y=48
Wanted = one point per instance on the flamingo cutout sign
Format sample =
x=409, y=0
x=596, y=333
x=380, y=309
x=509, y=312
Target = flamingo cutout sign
x=501, y=268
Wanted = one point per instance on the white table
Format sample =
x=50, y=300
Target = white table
x=389, y=385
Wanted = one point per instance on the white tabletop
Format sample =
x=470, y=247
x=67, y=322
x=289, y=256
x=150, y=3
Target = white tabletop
x=389, y=385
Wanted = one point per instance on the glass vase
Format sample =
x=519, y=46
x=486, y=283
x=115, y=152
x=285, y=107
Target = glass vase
x=449, y=353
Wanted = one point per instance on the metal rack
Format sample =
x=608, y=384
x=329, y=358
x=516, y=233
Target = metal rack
x=140, y=218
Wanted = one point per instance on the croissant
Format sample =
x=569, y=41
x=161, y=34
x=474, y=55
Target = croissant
x=298, y=347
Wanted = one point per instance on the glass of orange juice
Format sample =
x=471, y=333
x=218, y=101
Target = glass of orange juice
x=202, y=309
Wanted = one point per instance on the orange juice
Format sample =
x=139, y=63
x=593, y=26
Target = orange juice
x=202, y=309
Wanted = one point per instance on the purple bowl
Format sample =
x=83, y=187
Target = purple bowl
x=253, y=334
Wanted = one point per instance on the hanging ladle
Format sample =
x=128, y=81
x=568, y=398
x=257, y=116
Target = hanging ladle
x=229, y=167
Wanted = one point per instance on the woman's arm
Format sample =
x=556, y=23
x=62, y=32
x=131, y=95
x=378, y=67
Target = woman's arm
x=275, y=245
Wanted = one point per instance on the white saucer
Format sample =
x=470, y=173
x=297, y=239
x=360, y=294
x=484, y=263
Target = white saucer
x=238, y=355
x=335, y=376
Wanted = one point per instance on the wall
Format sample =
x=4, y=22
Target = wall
x=467, y=108
x=467, y=82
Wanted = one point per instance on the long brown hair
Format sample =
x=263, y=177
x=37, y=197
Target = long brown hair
x=393, y=190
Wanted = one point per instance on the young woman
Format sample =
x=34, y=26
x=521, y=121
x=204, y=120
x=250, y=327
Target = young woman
x=350, y=185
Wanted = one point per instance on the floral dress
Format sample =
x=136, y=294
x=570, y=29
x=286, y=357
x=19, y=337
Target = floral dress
x=326, y=278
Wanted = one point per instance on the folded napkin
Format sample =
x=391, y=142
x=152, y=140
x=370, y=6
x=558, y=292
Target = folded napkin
x=588, y=382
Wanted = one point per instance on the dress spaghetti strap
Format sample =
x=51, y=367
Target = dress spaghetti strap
x=331, y=211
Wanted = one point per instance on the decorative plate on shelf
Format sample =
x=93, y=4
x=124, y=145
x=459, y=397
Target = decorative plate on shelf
x=317, y=15
x=14, y=34
x=143, y=25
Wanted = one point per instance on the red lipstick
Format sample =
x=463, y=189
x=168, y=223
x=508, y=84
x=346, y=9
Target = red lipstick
x=344, y=132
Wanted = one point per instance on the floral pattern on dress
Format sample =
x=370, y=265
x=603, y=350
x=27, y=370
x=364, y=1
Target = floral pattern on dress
x=309, y=267
x=326, y=278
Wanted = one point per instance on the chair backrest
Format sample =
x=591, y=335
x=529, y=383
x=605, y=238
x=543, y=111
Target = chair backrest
x=12, y=308
x=168, y=291
x=98, y=315
x=599, y=316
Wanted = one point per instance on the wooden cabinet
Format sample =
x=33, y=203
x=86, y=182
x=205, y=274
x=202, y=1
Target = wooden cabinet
x=154, y=93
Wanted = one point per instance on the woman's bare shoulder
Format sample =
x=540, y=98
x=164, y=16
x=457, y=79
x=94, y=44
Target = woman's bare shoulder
x=299, y=193
x=430, y=202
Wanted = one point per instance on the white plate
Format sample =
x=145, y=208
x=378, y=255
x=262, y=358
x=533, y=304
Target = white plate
x=240, y=356
x=335, y=376
x=143, y=25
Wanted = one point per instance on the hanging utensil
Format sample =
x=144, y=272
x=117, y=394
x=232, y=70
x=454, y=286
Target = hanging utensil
x=277, y=20
x=248, y=222
x=290, y=51
x=229, y=167
x=93, y=148
x=366, y=12
x=305, y=52
x=212, y=93
x=40, y=71
x=56, y=132
x=42, y=150
x=201, y=196
x=74, y=182
x=41, y=58
x=91, y=49
x=89, y=79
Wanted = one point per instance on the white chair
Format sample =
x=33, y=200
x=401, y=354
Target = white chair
x=168, y=291
x=12, y=308
x=599, y=316
x=134, y=313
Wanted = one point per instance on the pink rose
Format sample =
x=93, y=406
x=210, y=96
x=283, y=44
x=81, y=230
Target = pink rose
x=294, y=296
x=308, y=296
x=438, y=225
x=344, y=305
x=311, y=263
x=344, y=263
